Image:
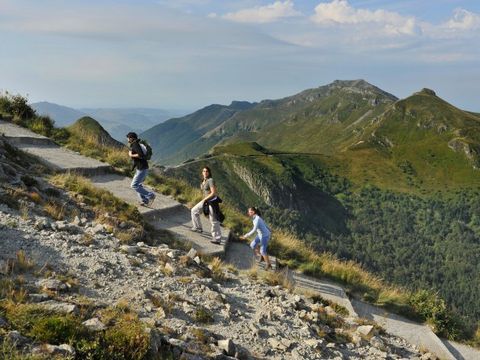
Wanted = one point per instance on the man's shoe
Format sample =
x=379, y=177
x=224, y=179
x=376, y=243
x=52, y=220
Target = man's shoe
x=151, y=200
x=196, y=230
x=217, y=242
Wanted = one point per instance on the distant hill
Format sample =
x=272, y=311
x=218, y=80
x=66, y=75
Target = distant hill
x=172, y=140
x=62, y=115
x=117, y=121
x=89, y=130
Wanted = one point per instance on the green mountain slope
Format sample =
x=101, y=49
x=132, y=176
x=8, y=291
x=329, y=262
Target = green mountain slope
x=419, y=242
x=321, y=120
x=171, y=140
x=421, y=143
x=307, y=121
x=87, y=129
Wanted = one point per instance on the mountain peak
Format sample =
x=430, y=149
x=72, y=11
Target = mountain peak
x=241, y=105
x=351, y=83
x=360, y=85
x=426, y=91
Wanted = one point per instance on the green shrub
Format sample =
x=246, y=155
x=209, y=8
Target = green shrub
x=41, y=125
x=203, y=316
x=8, y=350
x=434, y=310
x=127, y=340
x=57, y=329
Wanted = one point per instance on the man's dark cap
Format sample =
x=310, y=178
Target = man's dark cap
x=132, y=135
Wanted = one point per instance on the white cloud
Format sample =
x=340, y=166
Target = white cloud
x=264, y=14
x=463, y=20
x=340, y=12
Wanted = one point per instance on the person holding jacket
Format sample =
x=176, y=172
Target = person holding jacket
x=262, y=238
x=141, y=165
x=209, y=191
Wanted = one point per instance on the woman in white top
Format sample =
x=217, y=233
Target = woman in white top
x=263, y=235
x=209, y=192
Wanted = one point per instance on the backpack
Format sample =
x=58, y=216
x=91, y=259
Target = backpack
x=146, y=149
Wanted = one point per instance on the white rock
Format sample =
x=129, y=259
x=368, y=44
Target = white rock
x=132, y=250
x=94, y=324
x=192, y=254
x=61, y=307
x=366, y=330
x=51, y=284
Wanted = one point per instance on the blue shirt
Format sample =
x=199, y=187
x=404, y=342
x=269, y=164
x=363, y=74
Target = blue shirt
x=259, y=226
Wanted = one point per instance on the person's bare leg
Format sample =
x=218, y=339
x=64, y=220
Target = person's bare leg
x=267, y=261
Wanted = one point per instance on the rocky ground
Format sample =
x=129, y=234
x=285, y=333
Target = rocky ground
x=198, y=308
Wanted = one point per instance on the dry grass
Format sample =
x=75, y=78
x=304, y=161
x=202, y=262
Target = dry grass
x=347, y=272
x=252, y=273
x=35, y=197
x=218, y=269
x=103, y=202
x=12, y=291
x=281, y=278
x=185, y=280
x=20, y=264
x=87, y=239
x=55, y=209
x=23, y=263
x=125, y=237
x=88, y=145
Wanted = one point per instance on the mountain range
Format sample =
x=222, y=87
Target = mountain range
x=390, y=183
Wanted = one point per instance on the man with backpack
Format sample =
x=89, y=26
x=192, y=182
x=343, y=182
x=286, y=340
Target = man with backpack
x=140, y=154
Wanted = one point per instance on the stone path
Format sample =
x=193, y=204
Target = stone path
x=461, y=351
x=326, y=289
x=167, y=213
x=241, y=256
x=417, y=334
x=18, y=135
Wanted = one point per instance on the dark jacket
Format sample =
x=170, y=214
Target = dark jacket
x=215, y=204
x=139, y=163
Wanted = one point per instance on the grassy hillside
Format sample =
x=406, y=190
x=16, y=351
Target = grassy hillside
x=87, y=128
x=171, y=140
x=423, y=139
x=420, y=242
x=301, y=122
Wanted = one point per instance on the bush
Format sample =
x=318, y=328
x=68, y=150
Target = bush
x=58, y=329
x=127, y=339
x=434, y=310
x=19, y=108
x=41, y=125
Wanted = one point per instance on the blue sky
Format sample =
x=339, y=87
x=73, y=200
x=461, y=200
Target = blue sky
x=186, y=54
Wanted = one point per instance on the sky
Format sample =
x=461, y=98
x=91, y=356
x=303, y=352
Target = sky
x=186, y=54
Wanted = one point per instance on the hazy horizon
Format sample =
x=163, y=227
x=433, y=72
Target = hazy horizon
x=187, y=54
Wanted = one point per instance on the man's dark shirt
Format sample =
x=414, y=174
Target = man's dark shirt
x=139, y=163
